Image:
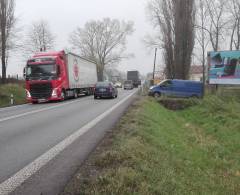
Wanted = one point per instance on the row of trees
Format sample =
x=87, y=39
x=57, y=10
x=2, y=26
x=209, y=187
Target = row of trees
x=103, y=42
x=188, y=27
x=174, y=20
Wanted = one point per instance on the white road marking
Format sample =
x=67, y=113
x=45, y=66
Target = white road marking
x=21, y=176
x=36, y=111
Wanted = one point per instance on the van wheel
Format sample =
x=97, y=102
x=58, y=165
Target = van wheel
x=156, y=95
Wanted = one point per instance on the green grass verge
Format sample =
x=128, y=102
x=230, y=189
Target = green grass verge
x=18, y=92
x=158, y=151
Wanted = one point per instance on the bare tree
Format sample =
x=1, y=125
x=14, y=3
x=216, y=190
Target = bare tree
x=102, y=42
x=201, y=34
x=234, y=11
x=174, y=20
x=39, y=38
x=161, y=16
x=7, y=22
x=218, y=21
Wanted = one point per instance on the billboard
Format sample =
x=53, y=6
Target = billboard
x=224, y=67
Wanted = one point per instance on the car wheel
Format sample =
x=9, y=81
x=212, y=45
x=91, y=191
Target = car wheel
x=156, y=95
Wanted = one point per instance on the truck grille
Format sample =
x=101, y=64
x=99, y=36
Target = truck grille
x=41, y=90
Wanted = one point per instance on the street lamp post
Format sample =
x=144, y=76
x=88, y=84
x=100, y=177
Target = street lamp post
x=154, y=64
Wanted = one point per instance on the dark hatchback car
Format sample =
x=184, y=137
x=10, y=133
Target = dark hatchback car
x=105, y=89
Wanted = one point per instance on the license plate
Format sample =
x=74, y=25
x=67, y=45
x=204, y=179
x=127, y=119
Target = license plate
x=41, y=100
x=102, y=90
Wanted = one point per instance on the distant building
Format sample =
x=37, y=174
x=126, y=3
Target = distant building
x=196, y=72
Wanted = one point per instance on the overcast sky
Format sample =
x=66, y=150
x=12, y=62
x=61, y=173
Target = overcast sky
x=65, y=16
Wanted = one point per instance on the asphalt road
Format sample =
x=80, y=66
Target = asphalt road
x=28, y=132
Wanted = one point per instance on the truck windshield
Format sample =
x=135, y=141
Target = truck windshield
x=43, y=70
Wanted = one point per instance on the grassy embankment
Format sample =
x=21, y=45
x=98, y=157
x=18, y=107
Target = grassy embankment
x=157, y=151
x=18, y=93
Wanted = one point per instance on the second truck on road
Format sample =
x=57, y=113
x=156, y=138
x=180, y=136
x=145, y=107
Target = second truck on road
x=134, y=77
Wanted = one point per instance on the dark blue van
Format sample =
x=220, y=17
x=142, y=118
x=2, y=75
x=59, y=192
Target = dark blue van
x=177, y=88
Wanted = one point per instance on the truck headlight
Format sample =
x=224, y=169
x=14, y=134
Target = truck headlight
x=54, y=92
x=28, y=94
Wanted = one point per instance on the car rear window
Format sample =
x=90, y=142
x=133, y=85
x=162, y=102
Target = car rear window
x=102, y=84
x=127, y=82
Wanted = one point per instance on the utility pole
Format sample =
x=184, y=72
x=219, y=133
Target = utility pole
x=154, y=64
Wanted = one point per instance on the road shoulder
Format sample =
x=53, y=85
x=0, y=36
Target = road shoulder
x=52, y=178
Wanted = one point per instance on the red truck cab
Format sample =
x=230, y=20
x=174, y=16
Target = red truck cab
x=46, y=77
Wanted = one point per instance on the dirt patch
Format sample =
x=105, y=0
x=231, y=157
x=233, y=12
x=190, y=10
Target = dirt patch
x=90, y=169
x=178, y=104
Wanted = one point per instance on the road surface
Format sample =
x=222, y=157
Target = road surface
x=42, y=145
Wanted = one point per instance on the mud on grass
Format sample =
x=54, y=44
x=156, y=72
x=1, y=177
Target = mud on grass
x=153, y=150
x=178, y=103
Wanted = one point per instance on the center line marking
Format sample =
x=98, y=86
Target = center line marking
x=21, y=176
x=36, y=111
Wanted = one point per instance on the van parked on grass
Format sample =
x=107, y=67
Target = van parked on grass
x=177, y=88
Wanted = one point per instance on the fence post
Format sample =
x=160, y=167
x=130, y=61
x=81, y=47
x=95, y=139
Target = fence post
x=12, y=99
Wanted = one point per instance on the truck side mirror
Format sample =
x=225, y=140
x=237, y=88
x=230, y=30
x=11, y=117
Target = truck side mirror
x=24, y=72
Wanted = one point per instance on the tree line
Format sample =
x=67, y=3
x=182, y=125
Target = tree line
x=187, y=28
x=101, y=41
x=184, y=28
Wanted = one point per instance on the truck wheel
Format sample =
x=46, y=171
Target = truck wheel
x=63, y=95
x=156, y=95
x=75, y=94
